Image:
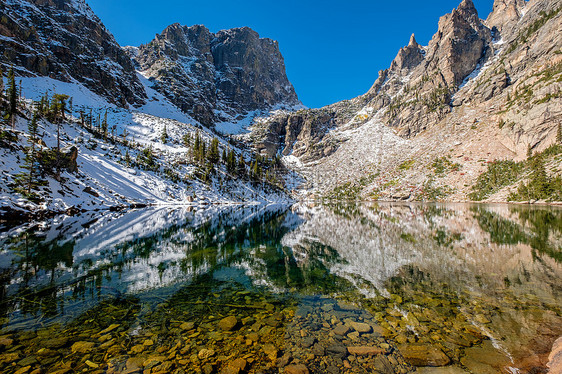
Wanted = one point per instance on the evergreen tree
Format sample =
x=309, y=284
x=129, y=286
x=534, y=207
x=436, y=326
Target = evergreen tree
x=559, y=134
x=529, y=151
x=1, y=90
x=213, y=154
x=104, y=126
x=202, y=151
x=539, y=184
x=127, y=158
x=241, y=168
x=187, y=139
x=224, y=156
x=231, y=162
x=29, y=181
x=256, y=170
x=196, y=146
x=164, y=136
x=58, y=108
x=12, y=96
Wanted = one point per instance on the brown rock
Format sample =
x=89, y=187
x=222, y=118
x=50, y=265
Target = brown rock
x=555, y=357
x=187, y=326
x=361, y=328
x=235, y=367
x=134, y=363
x=271, y=351
x=365, y=351
x=228, y=323
x=424, y=355
x=341, y=330
x=296, y=369
x=55, y=343
x=82, y=347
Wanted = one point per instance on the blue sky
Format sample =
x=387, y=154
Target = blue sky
x=333, y=49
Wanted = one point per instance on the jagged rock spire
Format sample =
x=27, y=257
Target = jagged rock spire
x=505, y=14
x=413, y=42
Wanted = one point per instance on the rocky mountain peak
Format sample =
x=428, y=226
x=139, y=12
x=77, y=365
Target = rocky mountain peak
x=413, y=42
x=408, y=57
x=65, y=40
x=217, y=76
x=461, y=42
x=505, y=14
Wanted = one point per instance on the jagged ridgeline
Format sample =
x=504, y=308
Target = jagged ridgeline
x=65, y=40
x=216, y=76
x=84, y=129
x=480, y=91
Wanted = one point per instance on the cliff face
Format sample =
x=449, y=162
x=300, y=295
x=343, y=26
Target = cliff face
x=65, y=40
x=217, y=76
x=480, y=90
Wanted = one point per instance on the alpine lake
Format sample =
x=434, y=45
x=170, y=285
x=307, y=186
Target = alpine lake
x=312, y=288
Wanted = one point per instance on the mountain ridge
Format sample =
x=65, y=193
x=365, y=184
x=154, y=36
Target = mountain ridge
x=469, y=77
x=218, y=76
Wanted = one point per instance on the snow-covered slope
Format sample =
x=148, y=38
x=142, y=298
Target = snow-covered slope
x=104, y=179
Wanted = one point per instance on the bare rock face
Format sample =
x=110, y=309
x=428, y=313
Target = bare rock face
x=217, y=76
x=65, y=40
x=505, y=14
x=460, y=43
x=408, y=57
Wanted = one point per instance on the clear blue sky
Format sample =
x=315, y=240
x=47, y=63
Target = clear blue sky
x=333, y=49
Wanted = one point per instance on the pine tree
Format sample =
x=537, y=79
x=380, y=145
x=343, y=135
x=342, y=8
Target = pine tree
x=187, y=139
x=559, y=134
x=104, y=126
x=224, y=156
x=256, y=170
x=1, y=90
x=213, y=154
x=58, y=108
x=12, y=93
x=196, y=146
x=29, y=180
x=241, y=168
x=164, y=136
x=231, y=162
x=539, y=183
x=127, y=158
x=529, y=151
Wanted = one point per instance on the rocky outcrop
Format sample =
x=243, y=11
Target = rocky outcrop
x=555, y=357
x=480, y=90
x=505, y=15
x=64, y=40
x=217, y=76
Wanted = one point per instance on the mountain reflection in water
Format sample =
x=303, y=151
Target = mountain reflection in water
x=476, y=287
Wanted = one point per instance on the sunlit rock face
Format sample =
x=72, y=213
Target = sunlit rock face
x=216, y=76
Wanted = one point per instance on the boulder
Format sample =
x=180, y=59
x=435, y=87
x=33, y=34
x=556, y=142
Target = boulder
x=424, y=355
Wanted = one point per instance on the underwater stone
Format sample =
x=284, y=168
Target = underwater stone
x=361, y=328
x=296, y=369
x=228, y=323
x=365, y=351
x=82, y=347
x=422, y=355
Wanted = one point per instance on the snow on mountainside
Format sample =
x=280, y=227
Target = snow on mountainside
x=65, y=40
x=107, y=175
x=224, y=78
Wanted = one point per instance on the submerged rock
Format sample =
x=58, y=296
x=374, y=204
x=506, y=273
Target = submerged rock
x=296, y=369
x=82, y=347
x=423, y=355
x=228, y=323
